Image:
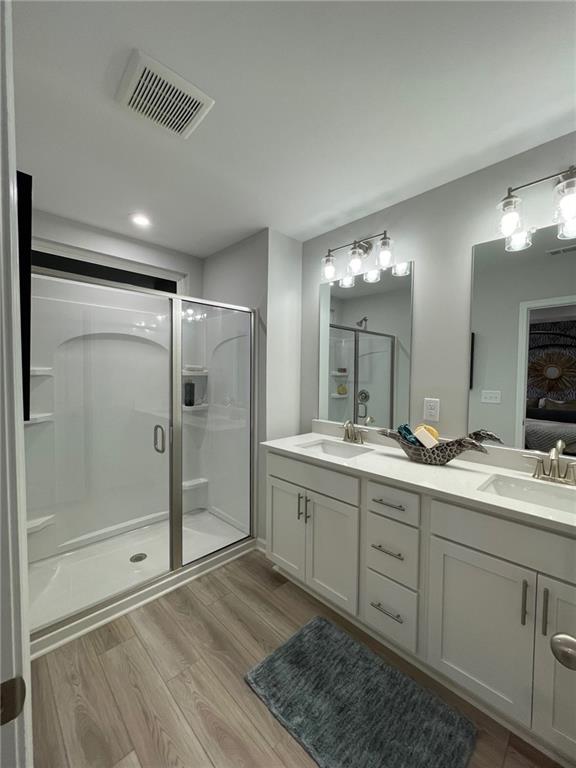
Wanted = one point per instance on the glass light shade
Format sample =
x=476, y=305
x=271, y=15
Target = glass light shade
x=519, y=241
x=567, y=229
x=510, y=218
x=566, y=200
x=372, y=276
x=402, y=269
x=385, y=255
x=328, y=268
x=347, y=281
x=356, y=259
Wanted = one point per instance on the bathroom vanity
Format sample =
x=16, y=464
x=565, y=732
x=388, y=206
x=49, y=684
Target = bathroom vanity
x=467, y=569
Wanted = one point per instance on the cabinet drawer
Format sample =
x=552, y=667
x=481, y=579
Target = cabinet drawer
x=334, y=484
x=392, y=502
x=391, y=610
x=392, y=549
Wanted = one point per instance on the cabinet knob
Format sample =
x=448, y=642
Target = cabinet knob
x=564, y=649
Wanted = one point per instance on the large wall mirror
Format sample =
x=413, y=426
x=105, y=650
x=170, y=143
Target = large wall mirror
x=523, y=362
x=365, y=339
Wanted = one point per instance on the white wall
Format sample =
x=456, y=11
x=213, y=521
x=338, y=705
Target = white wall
x=122, y=252
x=437, y=231
x=283, y=342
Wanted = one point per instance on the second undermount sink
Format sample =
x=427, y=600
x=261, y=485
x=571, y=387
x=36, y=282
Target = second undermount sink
x=332, y=448
x=542, y=493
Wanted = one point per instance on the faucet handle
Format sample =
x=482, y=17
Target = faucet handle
x=569, y=475
x=539, y=471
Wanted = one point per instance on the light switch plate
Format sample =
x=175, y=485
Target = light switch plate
x=431, y=409
x=491, y=396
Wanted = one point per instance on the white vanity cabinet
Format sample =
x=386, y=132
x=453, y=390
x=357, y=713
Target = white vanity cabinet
x=554, y=685
x=312, y=536
x=481, y=625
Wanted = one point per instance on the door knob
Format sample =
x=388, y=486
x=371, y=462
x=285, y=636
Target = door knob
x=564, y=649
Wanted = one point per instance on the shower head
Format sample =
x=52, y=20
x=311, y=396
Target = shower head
x=363, y=323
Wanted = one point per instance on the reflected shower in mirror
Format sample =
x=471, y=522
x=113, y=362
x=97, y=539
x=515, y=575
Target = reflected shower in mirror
x=365, y=338
x=523, y=362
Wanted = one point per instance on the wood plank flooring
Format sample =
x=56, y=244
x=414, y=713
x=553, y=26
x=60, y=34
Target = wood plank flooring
x=163, y=686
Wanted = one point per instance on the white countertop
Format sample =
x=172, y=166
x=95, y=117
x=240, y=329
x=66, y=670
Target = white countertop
x=457, y=481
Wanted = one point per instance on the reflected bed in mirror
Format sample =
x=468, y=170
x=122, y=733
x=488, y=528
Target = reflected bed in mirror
x=365, y=338
x=523, y=322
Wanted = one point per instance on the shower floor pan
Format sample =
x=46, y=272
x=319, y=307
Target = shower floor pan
x=67, y=583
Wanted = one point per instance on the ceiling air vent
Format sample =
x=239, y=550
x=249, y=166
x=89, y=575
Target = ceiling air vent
x=562, y=251
x=152, y=90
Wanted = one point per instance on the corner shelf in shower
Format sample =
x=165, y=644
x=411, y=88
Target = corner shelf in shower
x=188, y=485
x=200, y=407
x=192, y=373
x=335, y=396
x=41, y=371
x=38, y=523
x=39, y=418
x=339, y=374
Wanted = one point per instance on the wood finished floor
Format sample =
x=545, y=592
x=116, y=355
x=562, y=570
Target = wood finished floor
x=163, y=687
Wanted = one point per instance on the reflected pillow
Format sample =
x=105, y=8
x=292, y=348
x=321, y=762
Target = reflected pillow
x=557, y=405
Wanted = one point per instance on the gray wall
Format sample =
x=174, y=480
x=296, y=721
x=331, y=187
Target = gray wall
x=437, y=231
x=119, y=251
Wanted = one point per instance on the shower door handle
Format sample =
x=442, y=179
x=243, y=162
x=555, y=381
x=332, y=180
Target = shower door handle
x=159, y=438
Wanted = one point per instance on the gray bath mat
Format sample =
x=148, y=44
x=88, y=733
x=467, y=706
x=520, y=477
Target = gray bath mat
x=349, y=709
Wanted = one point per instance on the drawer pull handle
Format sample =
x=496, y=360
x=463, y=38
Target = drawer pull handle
x=524, y=609
x=380, y=548
x=307, y=515
x=399, y=507
x=395, y=616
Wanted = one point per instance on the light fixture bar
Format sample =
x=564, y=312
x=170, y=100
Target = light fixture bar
x=356, y=242
x=572, y=169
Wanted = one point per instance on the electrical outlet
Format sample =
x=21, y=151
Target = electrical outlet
x=431, y=409
x=491, y=396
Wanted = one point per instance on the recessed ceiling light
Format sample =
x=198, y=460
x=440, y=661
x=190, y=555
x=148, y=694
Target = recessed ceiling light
x=140, y=220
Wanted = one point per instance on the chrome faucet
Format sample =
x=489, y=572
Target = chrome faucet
x=352, y=433
x=555, y=472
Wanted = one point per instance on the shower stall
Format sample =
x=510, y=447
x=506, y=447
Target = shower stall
x=139, y=446
x=361, y=375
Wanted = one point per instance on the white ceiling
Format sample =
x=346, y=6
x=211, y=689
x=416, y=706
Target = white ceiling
x=324, y=112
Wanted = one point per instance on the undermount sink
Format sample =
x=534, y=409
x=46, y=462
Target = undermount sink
x=545, y=494
x=332, y=448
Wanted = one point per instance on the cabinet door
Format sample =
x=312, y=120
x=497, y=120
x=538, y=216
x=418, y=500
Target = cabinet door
x=286, y=534
x=555, y=684
x=481, y=623
x=332, y=549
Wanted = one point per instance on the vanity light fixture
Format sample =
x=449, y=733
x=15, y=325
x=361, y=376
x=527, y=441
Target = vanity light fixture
x=358, y=253
x=402, y=269
x=347, y=281
x=140, y=220
x=518, y=236
x=357, y=262
x=519, y=241
x=372, y=276
x=328, y=267
x=385, y=254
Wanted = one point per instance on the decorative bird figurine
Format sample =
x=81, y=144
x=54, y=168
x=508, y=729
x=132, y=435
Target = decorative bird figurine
x=481, y=435
x=440, y=454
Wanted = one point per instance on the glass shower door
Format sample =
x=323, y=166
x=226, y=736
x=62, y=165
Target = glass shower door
x=375, y=378
x=341, y=374
x=97, y=444
x=215, y=414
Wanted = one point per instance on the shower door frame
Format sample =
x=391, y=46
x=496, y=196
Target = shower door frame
x=175, y=438
x=357, y=332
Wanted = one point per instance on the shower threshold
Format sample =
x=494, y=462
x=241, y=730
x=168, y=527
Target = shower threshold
x=64, y=584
